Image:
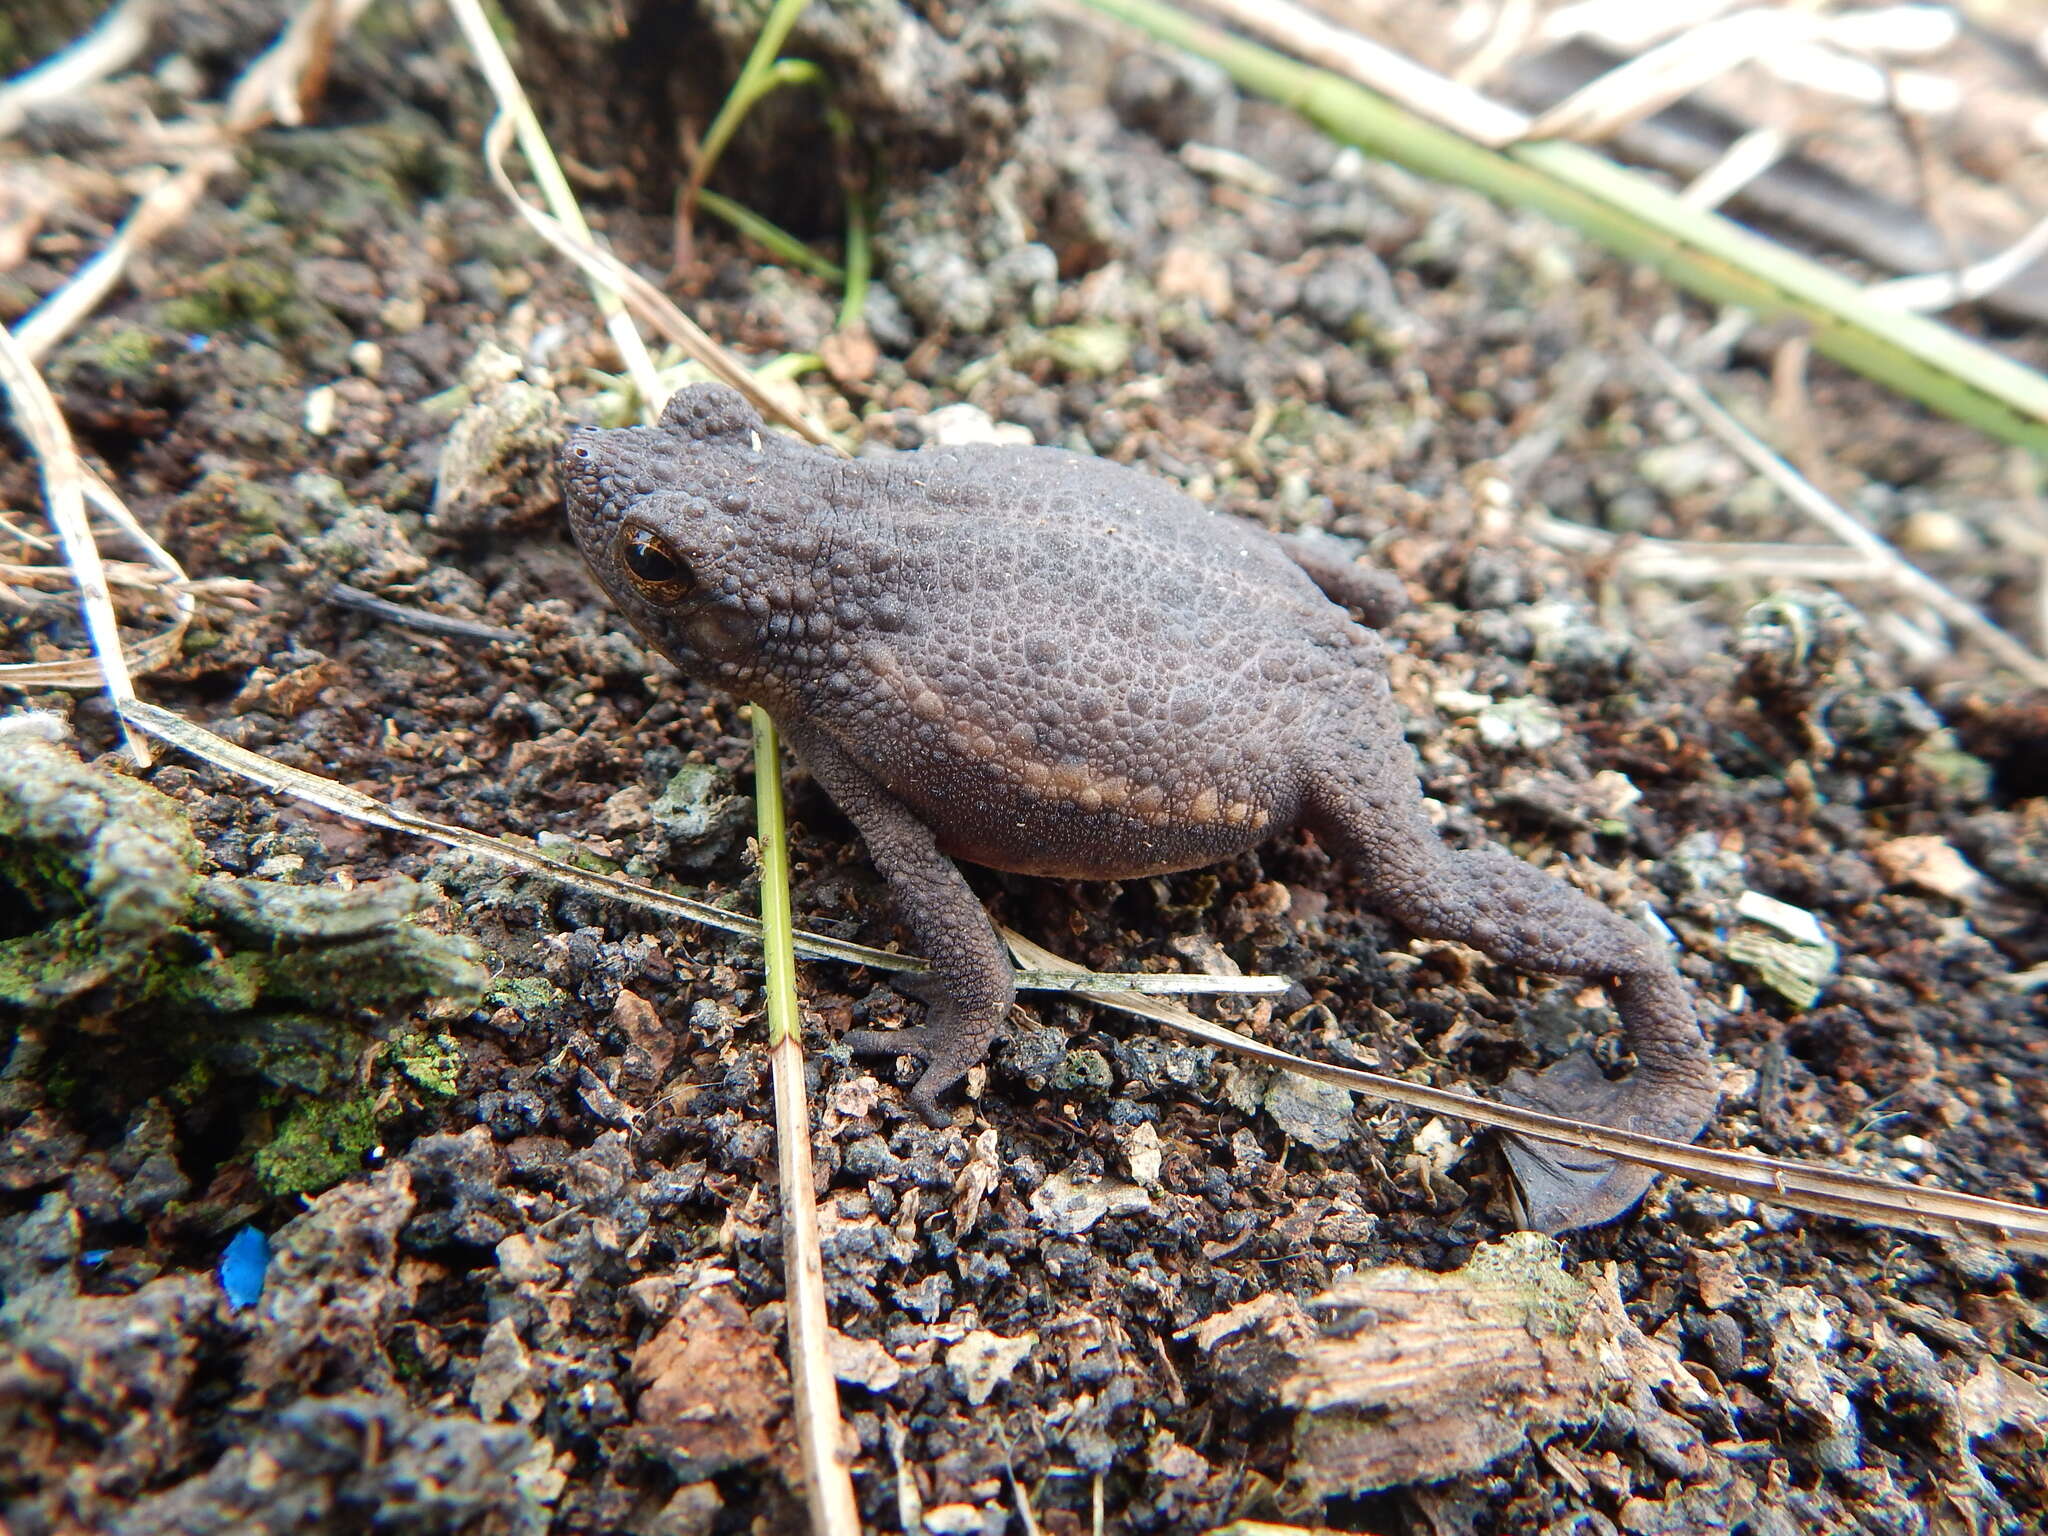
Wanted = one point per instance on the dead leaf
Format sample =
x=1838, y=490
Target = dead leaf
x=983, y=1361
x=712, y=1390
x=1930, y=863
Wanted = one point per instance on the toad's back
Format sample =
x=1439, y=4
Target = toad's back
x=1117, y=678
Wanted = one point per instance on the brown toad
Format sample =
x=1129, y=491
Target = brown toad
x=1051, y=664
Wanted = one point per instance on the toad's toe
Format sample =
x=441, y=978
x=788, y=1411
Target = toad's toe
x=1566, y=1187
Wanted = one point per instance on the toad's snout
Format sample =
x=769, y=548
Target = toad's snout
x=580, y=466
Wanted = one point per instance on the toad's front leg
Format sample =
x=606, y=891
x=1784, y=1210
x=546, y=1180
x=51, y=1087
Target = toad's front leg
x=969, y=990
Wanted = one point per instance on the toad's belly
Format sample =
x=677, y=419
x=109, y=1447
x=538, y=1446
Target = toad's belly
x=1071, y=820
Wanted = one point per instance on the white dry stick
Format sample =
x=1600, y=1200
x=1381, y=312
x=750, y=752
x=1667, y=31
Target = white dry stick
x=35, y=411
x=1743, y=162
x=146, y=655
x=1422, y=91
x=1514, y=23
x=121, y=34
x=1843, y=524
x=1879, y=1202
x=1938, y=290
x=271, y=88
x=1689, y=562
x=834, y=1511
x=164, y=206
x=607, y=273
x=1650, y=82
x=352, y=804
x=1628, y=26
x=268, y=89
x=1800, y=1186
x=554, y=186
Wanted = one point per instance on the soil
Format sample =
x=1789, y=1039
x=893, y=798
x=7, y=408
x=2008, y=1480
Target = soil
x=512, y=1151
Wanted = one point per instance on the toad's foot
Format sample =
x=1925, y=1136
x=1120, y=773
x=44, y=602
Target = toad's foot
x=1565, y=1187
x=968, y=990
x=947, y=1052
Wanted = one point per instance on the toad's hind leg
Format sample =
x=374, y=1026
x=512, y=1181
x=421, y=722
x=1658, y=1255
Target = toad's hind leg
x=1366, y=801
x=968, y=993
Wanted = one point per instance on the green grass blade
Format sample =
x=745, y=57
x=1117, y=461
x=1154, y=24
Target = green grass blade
x=778, y=952
x=756, y=77
x=1635, y=217
x=814, y=1393
x=859, y=261
x=773, y=238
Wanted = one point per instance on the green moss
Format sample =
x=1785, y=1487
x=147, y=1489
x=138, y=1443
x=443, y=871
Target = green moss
x=527, y=996
x=197, y=1082
x=188, y=979
x=1090, y=349
x=230, y=983
x=407, y=1363
x=395, y=967
x=121, y=354
x=319, y=1142
x=1300, y=423
x=260, y=507
x=433, y=1062
x=1085, y=1073
x=239, y=291
x=114, y=855
x=1529, y=1266
x=1967, y=777
x=312, y=1053
x=325, y=181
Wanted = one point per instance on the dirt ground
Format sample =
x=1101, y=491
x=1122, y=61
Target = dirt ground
x=511, y=1144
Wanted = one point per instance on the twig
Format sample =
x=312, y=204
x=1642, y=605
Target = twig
x=1880, y=1202
x=1426, y=93
x=270, y=88
x=1513, y=25
x=342, y=595
x=289, y=73
x=35, y=410
x=145, y=656
x=1673, y=69
x=1938, y=290
x=1827, y=1191
x=819, y=1429
x=1630, y=214
x=162, y=208
x=297, y=784
x=646, y=300
x=1844, y=524
x=1698, y=562
x=515, y=109
x=109, y=47
x=1746, y=159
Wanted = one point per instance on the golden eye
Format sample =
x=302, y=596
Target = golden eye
x=659, y=573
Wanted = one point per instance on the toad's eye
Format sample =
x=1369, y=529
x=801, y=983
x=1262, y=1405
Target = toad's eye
x=660, y=574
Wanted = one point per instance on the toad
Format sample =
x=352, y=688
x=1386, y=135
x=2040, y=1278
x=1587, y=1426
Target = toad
x=1047, y=663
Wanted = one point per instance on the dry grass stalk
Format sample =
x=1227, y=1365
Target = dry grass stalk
x=517, y=118
x=814, y=1390
x=106, y=50
x=1845, y=525
x=652, y=305
x=1799, y=1186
